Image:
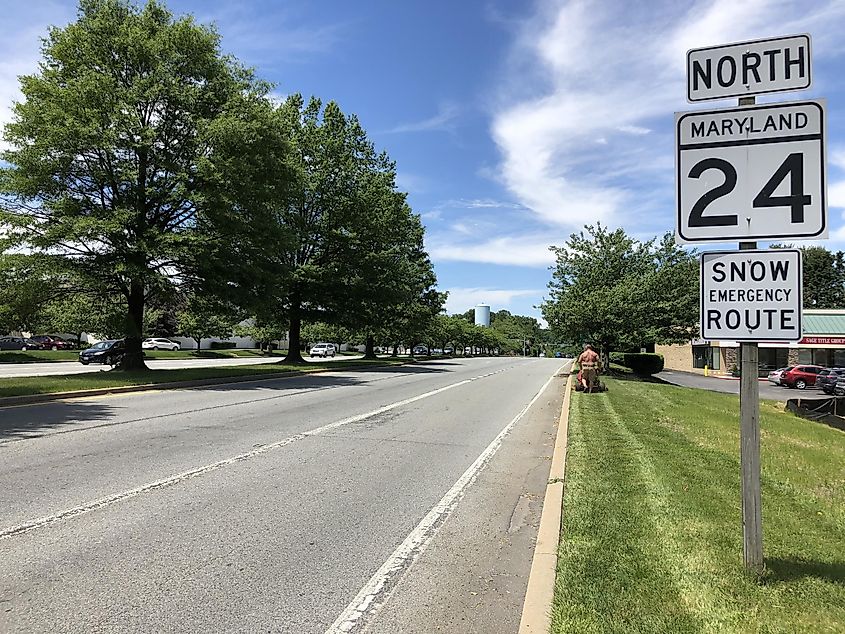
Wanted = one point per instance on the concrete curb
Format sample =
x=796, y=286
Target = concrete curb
x=29, y=399
x=536, y=616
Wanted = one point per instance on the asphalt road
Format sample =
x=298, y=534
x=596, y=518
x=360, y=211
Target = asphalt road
x=59, y=368
x=768, y=391
x=399, y=499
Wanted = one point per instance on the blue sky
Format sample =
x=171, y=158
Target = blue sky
x=512, y=123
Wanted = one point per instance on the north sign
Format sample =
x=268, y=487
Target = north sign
x=751, y=295
x=749, y=68
x=751, y=173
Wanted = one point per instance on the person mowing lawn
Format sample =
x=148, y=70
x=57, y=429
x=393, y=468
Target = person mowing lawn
x=588, y=363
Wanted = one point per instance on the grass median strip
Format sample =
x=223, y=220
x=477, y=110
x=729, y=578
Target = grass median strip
x=48, y=356
x=24, y=386
x=652, y=537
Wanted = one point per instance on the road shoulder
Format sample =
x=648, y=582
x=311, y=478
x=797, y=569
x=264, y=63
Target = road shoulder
x=474, y=573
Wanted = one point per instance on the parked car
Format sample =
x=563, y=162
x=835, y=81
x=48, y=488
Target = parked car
x=13, y=343
x=827, y=379
x=839, y=388
x=774, y=375
x=160, y=344
x=322, y=350
x=420, y=350
x=106, y=352
x=801, y=376
x=49, y=342
x=448, y=351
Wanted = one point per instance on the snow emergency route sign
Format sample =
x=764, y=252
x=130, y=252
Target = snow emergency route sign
x=751, y=295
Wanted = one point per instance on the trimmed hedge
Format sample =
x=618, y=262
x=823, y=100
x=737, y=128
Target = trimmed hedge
x=223, y=345
x=641, y=363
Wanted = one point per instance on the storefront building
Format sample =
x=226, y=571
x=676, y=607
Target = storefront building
x=823, y=344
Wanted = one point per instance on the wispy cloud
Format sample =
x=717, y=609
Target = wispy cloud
x=277, y=35
x=530, y=251
x=586, y=87
x=481, y=203
x=442, y=121
x=462, y=299
x=20, y=46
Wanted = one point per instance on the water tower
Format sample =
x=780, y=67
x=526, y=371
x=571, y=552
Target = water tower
x=482, y=315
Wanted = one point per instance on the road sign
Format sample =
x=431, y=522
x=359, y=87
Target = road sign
x=751, y=295
x=749, y=68
x=753, y=172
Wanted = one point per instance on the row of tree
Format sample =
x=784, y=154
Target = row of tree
x=146, y=168
x=620, y=293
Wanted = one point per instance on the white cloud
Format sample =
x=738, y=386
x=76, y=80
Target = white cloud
x=636, y=130
x=587, y=85
x=277, y=35
x=441, y=121
x=412, y=183
x=20, y=46
x=837, y=157
x=461, y=300
x=836, y=195
x=531, y=251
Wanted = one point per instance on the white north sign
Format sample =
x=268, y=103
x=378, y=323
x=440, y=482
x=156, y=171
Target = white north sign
x=751, y=295
x=751, y=173
x=749, y=68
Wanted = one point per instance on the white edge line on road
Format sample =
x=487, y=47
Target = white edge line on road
x=185, y=475
x=368, y=601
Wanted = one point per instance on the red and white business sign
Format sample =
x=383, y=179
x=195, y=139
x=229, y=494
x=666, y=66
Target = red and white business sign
x=823, y=341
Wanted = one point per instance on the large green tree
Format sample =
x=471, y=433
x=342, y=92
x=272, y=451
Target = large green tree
x=824, y=278
x=202, y=318
x=616, y=292
x=115, y=145
x=26, y=290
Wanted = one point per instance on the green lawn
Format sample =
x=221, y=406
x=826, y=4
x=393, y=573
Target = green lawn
x=22, y=386
x=652, y=537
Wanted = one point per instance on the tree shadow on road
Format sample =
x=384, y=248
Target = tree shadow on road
x=25, y=422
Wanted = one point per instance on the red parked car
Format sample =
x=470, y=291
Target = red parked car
x=53, y=343
x=801, y=376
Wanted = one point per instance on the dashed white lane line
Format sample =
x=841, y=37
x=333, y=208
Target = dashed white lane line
x=372, y=596
x=193, y=473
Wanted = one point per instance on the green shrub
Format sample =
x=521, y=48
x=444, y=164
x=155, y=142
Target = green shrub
x=642, y=363
x=223, y=345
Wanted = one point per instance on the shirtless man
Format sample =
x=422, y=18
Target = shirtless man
x=588, y=363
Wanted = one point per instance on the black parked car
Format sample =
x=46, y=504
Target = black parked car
x=106, y=352
x=19, y=343
x=827, y=379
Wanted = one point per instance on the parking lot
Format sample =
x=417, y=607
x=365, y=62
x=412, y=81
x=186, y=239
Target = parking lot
x=768, y=391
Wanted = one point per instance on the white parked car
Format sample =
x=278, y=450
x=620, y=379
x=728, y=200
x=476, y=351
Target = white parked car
x=322, y=350
x=160, y=344
x=774, y=375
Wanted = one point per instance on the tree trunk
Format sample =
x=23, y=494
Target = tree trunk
x=199, y=344
x=395, y=350
x=133, y=357
x=294, y=354
x=369, y=349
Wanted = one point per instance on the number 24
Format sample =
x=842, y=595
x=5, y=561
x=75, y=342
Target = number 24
x=793, y=167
